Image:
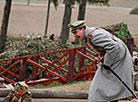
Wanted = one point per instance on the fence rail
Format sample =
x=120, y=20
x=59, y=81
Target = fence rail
x=71, y=64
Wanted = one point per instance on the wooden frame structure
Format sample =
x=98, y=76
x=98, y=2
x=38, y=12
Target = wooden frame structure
x=42, y=70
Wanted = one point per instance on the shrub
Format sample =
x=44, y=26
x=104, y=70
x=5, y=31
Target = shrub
x=134, y=11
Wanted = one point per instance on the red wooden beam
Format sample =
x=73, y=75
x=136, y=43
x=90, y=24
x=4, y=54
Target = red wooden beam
x=53, y=65
x=55, y=62
x=81, y=54
x=8, y=80
x=81, y=60
x=64, y=62
x=57, y=75
x=8, y=72
x=35, y=69
x=71, y=66
x=22, y=70
x=92, y=53
x=91, y=68
x=43, y=69
x=80, y=73
x=22, y=57
x=7, y=69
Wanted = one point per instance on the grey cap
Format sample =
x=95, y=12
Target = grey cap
x=1, y=79
x=77, y=24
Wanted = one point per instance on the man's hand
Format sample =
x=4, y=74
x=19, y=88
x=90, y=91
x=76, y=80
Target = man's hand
x=106, y=67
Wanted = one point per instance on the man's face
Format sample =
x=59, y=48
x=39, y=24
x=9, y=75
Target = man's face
x=79, y=33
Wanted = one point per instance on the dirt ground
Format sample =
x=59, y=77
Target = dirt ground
x=30, y=20
x=77, y=86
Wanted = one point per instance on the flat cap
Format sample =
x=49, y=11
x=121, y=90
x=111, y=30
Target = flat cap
x=1, y=79
x=77, y=24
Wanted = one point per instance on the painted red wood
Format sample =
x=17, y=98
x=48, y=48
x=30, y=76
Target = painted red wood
x=22, y=70
x=71, y=66
x=80, y=73
x=35, y=69
x=8, y=72
x=50, y=70
x=50, y=63
x=22, y=57
x=82, y=59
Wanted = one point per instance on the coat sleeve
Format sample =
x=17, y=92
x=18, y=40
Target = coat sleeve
x=9, y=97
x=108, y=44
x=27, y=97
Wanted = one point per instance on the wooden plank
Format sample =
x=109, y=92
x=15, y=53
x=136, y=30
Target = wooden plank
x=81, y=60
x=80, y=73
x=40, y=54
x=81, y=54
x=9, y=72
x=71, y=66
x=53, y=64
x=44, y=93
x=22, y=70
x=7, y=69
x=43, y=69
x=35, y=68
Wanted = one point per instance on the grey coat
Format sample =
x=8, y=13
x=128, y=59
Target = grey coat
x=105, y=86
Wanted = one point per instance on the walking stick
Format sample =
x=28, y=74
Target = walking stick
x=123, y=83
x=108, y=68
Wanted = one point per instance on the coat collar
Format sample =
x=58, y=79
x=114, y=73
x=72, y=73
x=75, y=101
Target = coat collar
x=88, y=30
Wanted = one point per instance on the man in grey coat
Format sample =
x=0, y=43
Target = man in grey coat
x=105, y=86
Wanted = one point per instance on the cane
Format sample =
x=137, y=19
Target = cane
x=123, y=83
x=107, y=67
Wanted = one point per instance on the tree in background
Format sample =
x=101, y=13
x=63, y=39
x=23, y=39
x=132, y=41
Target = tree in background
x=55, y=2
x=28, y=2
x=64, y=36
x=4, y=26
x=82, y=9
x=81, y=16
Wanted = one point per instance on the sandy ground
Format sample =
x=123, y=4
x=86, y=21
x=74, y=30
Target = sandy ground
x=80, y=85
x=31, y=19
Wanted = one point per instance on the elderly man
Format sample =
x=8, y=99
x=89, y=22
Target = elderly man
x=105, y=86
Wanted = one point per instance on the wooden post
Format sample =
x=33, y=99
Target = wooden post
x=71, y=66
x=22, y=70
x=34, y=68
x=81, y=61
x=130, y=45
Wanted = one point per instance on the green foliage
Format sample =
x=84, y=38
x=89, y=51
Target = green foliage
x=123, y=32
x=134, y=11
x=29, y=47
x=99, y=2
x=120, y=30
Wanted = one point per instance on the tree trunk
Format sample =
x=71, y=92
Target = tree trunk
x=81, y=15
x=28, y=2
x=4, y=26
x=44, y=93
x=64, y=36
x=47, y=19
